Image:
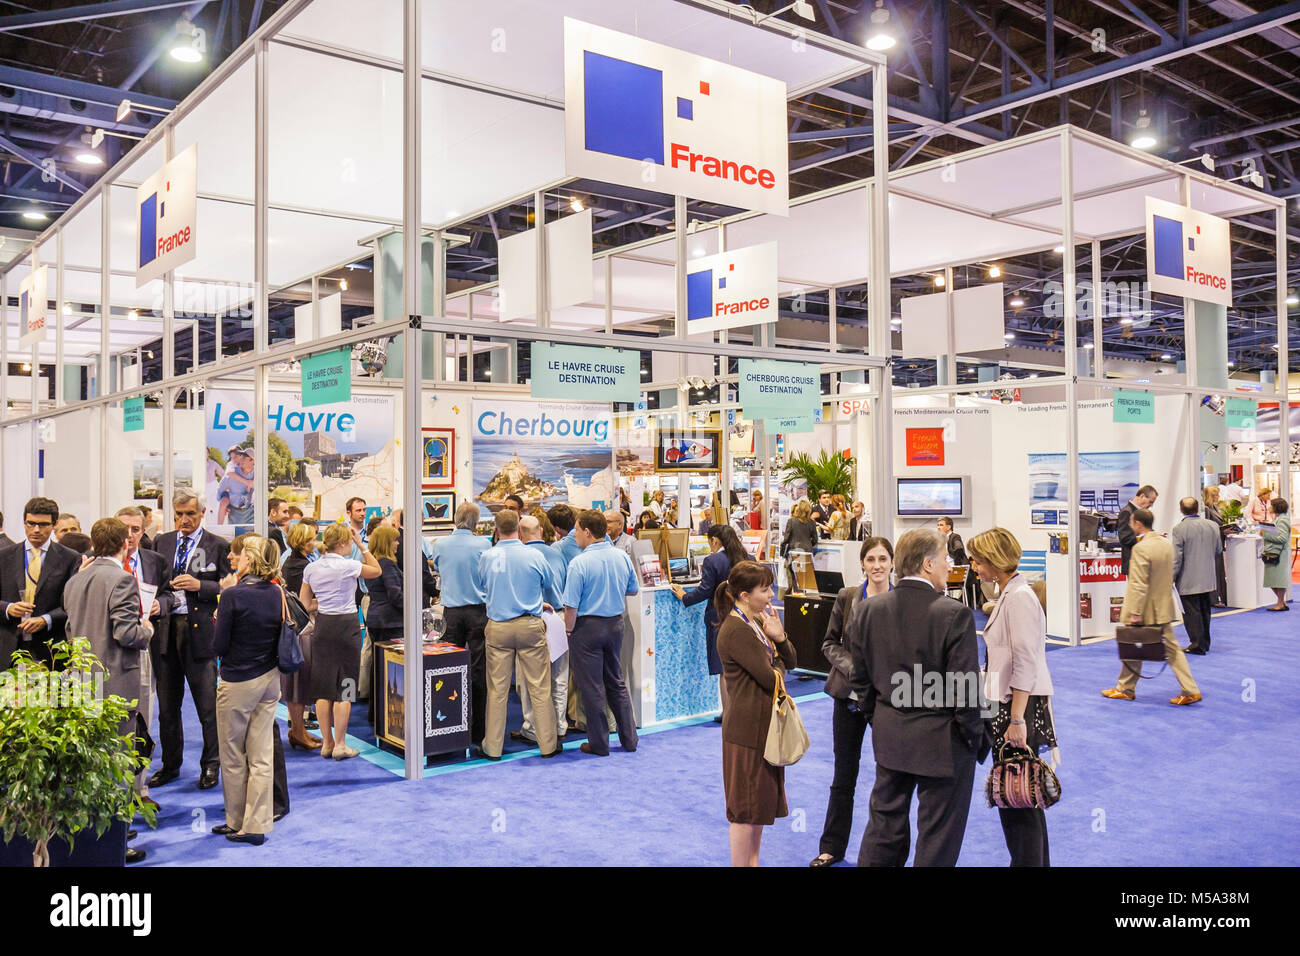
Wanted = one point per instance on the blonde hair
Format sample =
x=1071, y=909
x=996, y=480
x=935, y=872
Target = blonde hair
x=335, y=535
x=997, y=547
x=801, y=511
x=260, y=556
x=837, y=502
x=1210, y=492
x=300, y=536
x=383, y=543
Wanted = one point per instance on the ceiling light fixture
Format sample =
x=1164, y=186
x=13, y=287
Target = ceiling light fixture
x=938, y=282
x=1017, y=303
x=1088, y=345
x=1059, y=250
x=67, y=309
x=1145, y=136
x=995, y=272
x=881, y=37
x=343, y=285
x=133, y=315
x=1293, y=299
x=1166, y=357
x=27, y=366
x=1009, y=336
x=190, y=43
x=576, y=204
x=35, y=215
x=1127, y=320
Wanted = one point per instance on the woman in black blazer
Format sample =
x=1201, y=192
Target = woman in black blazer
x=800, y=535
x=384, y=616
x=727, y=552
x=1211, y=498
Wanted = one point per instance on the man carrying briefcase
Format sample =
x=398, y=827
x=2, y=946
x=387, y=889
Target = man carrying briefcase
x=1149, y=601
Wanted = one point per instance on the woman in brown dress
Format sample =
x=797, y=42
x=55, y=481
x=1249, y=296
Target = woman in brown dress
x=753, y=648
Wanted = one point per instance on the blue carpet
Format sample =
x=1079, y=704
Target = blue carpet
x=1145, y=784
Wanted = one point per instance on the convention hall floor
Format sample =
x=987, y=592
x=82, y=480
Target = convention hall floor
x=1145, y=784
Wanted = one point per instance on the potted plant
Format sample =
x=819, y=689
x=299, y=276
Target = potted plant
x=826, y=472
x=1230, y=511
x=68, y=764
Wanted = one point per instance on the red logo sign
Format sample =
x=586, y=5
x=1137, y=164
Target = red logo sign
x=924, y=446
x=1100, y=569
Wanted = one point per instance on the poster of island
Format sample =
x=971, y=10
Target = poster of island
x=1107, y=481
x=545, y=452
x=334, y=451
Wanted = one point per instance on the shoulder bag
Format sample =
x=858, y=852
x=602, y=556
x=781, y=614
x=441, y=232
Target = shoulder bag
x=787, y=740
x=290, y=649
x=1020, y=780
x=1137, y=644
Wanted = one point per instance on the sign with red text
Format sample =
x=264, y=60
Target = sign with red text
x=924, y=447
x=165, y=211
x=1188, y=254
x=731, y=289
x=33, y=307
x=1105, y=568
x=645, y=115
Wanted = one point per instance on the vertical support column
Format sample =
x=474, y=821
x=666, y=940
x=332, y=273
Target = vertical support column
x=168, y=443
x=948, y=374
x=58, y=320
x=1068, y=281
x=4, y=348
x=609, y=295
x=1284, y=436
x=543, y=286
x=1192, y=374
x=104, y=376
x=168, y=356
x=261, y=243
x=882, y=519
x=1098, y=306
x=412, y=392
x=35, y=362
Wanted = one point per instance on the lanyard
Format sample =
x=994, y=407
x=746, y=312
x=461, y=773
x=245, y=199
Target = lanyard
x=757, y=630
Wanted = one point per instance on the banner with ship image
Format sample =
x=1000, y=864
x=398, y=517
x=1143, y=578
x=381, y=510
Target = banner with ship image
x=1107, y=481
x=545, y=452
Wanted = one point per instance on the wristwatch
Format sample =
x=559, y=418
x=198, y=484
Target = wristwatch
x=1014, y=721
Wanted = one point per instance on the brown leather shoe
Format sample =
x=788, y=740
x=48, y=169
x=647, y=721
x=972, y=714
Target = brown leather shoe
x=1184, y=699
x=1114, y=693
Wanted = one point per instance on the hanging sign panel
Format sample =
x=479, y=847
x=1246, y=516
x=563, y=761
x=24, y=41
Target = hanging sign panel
x=646, y=115
x=571, y=372
x=1240, y=412
x=770, y=389
x=327, y=378
x=732, y=289
x=165, y=217
x=793, y=425
x=33, y=307
x=1188, y=254
x=133, y=414
x=1137, y=407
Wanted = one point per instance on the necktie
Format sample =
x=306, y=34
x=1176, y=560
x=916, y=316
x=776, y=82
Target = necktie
x=182, y=553
x=33, y=576
x=129, y=565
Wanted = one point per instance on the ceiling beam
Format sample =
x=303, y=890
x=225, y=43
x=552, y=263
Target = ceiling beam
x=89, y=11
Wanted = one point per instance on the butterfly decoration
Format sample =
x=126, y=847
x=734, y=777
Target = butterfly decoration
x=438, y=686
x=441, y=717
x=454, y=695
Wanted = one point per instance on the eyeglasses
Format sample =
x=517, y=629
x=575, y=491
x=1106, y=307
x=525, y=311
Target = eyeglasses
x=36, y=525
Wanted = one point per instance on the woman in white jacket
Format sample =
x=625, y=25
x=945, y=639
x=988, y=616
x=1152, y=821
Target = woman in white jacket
x=1016, y=679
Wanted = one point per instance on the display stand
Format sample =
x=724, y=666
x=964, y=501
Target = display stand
x=1101, y=594
x=446, y=698
x=669, y=674
x=1245, y=572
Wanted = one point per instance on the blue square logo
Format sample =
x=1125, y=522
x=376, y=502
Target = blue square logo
x=685, y=108
x=699, y=294
x=624, y=107
x=722, y=283
x=149, y=230
x=1167, y=237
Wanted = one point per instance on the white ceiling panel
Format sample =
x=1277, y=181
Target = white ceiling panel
x=222, y=125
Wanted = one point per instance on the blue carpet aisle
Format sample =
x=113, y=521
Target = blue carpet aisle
x=1145, y=783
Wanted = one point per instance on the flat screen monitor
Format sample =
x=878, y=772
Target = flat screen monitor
x=933, y=497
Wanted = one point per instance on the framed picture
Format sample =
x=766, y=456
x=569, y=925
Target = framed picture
x=438, y=459
x=689, y=450
x=437, y=508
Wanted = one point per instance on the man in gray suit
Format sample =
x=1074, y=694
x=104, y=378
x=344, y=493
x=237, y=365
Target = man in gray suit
x=1196, y=542
x=103, y=605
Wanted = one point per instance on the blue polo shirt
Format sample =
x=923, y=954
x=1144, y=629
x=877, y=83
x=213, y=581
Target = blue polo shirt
x=568, y=547
x=558, y=567
x=517, y=580
x=455, y=558
x=599, y=580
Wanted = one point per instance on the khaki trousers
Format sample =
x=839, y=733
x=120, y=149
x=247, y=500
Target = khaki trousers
x=245, y=713
x=1128, y=678
x=524, y=639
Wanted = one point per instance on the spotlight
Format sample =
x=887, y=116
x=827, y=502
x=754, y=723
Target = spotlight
x=343, y=285
x=88, y=158
x=190, y=43
x=67, y=309
x=1231, y=363
x=1060, y=250
x=938, y=282
x=1088, y=345
x=1166, y=357
x=576, y=204
x=881, y=37
x=35, y=215
x=1017, y=303
x=995, y=272
x=27, y=366
x=133, y=315
x=1293, y=299
x=1127, y=320
x=1144, y=137
x=1009, y=336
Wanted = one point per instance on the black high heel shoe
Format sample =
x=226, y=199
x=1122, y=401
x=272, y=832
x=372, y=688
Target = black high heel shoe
x=257, y=839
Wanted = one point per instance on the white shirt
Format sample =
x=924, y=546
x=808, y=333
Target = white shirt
x=333, y=580
x=917, y=577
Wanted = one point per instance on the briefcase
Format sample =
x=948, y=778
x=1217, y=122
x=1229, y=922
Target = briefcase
x=1140, y=643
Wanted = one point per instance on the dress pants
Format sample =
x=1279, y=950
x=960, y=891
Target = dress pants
x=465, y=628
x=173, y=669
x=1196, y=618
x=972, y=589
x=522, y=640
x=559, y=697
x=1026, y=834
x=145, y=707
x=943, y=804
x=595, y=647
x=245, y=723
x=1130, y=671
x=847, y=730
x=280, y=786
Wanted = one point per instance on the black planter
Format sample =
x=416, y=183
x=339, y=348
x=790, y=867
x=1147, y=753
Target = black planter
x=108, y=850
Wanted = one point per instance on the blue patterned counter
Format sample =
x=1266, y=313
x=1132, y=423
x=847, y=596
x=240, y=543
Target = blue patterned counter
x=670, y=668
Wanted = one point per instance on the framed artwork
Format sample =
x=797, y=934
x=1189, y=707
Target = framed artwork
x=438, y=459
x=689, y=450
x=437, y=508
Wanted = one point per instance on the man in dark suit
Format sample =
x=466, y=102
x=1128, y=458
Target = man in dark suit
x=1144, y=499
x=915, y=672
x=859, y=526
x=821, y=514
x=1197, y=543
x=33, y=574
x=277, y=517
x=957, y=555
x=183, y=653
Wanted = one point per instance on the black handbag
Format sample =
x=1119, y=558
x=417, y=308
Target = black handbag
x=290, y=649
x=1271, y=558
x=1140, y=643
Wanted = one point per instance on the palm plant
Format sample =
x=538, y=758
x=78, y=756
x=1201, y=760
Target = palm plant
x=827, y=472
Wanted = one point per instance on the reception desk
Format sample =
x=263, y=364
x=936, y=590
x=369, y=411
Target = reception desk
x=1101, y=594
x=1245, y=572
x=667, y=666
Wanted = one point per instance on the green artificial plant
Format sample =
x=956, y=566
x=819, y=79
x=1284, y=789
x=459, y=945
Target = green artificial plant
x=827, y=472
x=1230, y=511
x=69, y=766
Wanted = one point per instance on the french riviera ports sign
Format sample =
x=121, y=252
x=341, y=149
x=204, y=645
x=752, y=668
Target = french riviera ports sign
x=1188, y=255
x=572, y=372
x=650, y=116
x=732, y=289
x=33, y=307
x=165, y=207
x=1134, y=407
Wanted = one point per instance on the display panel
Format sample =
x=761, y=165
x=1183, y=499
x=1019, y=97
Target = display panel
x=697, y=450
x=932, y=497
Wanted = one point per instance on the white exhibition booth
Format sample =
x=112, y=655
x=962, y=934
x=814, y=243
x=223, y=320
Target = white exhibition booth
x=343, y=126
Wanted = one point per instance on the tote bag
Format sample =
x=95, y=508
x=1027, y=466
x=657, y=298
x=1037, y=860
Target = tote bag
x=787, y=740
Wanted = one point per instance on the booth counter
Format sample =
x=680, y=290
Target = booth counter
x=446, y=697
x=666, y=663
x=1245, y=572
x=1101, y=594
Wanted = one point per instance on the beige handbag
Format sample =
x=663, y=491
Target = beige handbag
x=787, y=740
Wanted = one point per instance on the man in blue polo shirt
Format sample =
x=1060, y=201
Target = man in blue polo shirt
x=519, y=582
x=530, y=533
x=595, y=596
x=562, y=520
x=455, y=559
